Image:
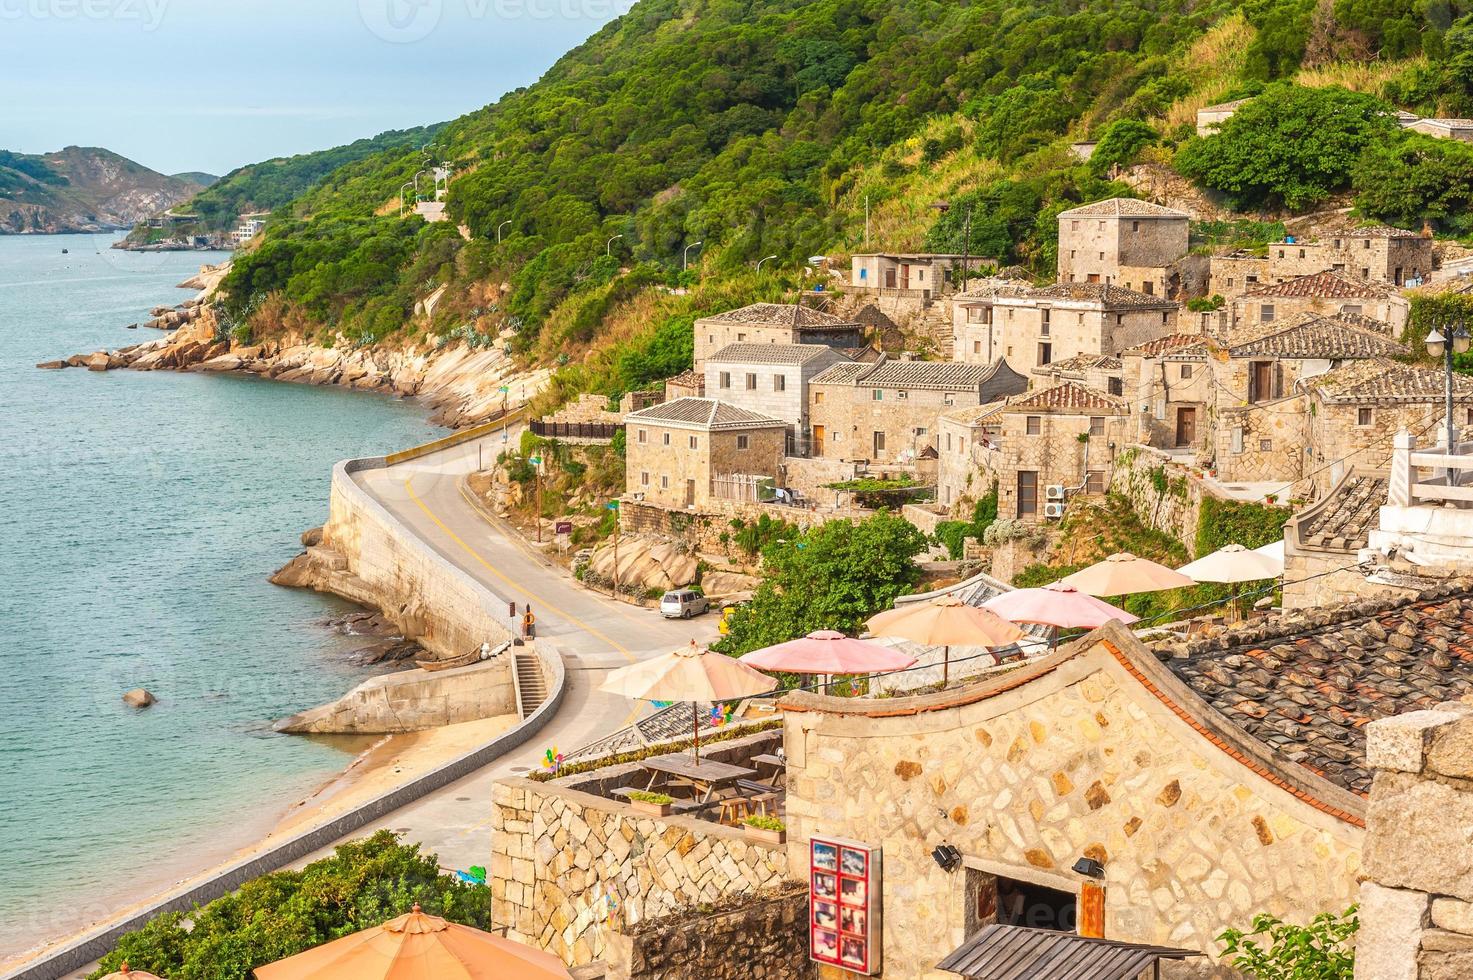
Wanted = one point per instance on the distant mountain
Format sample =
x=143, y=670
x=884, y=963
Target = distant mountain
x=80, y=189
x=196, y=177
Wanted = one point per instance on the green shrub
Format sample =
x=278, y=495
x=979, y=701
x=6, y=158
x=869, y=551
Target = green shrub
x=1322, y=950
x=658, y=799
x=765, y=823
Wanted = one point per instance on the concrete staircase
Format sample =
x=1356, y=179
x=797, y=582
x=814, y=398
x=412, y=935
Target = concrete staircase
x=526, y=674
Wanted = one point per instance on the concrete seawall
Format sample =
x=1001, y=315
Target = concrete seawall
x=413, y=700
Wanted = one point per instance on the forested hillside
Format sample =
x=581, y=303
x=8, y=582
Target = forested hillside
x=761, y=128
x=81, y=188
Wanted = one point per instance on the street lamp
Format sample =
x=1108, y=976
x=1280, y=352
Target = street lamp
x=498, y=230
x=761, y=260
x=609, y=245
x=402, y=188
x=1456, y=341
x=685, y=255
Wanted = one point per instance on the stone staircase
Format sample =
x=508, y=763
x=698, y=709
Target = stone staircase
x=531, y=689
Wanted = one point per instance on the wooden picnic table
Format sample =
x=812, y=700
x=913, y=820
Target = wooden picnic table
x=679, y=769
x=778, y=763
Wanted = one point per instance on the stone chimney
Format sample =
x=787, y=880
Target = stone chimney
x=1416, y=900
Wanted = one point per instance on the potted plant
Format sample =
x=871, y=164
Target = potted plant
x=655, y=804
x=767, y=830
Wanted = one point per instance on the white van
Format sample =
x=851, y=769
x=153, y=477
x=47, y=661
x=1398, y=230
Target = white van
x=683, y=604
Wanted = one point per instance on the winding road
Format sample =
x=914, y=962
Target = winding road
x=595, y=634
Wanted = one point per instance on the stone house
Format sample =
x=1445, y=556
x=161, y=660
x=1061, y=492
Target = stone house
x=1262, y=415
x=886, y=412
x=686, y=384
x=683, y=453
x=968, y=452
x=1379, y=253
x=1209, y=118
x=1446, y=129
x=1123, y=242
x=926, y=272
x=1103, y=372
x=1356, y=408
x=1326, y=293
x=1169, y=386
x=771, y=380
x=1035, y=327
x=1064, y=436
x=1323, y=542
x=773, y=323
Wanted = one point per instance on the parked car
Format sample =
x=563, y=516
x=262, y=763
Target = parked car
x=683, y=604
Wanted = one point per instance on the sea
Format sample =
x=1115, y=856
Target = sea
x=140, y=515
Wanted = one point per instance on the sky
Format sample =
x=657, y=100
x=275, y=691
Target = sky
x=211, y=85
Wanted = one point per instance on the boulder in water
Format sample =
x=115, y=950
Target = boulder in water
x=139, y=698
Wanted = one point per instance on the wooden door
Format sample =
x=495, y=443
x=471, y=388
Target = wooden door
x=1027, y=493
x=1263, y=381
x=889, y=278
x=1186, y=426
x=690, y=492
x=818, y=439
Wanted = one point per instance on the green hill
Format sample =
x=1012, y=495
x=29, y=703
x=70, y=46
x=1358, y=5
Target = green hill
x=81, y=189
x=764, y=127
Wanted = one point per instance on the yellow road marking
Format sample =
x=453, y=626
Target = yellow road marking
x=409, y=488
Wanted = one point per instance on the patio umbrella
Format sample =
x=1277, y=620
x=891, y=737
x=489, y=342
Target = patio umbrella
x=1233, y=563
x=126, y=974
x=945, y=622
x=828, y=652
x=1274, y=549
x=692, y=673
x=414, y=946
x=1125, y=574
x=1057, y=605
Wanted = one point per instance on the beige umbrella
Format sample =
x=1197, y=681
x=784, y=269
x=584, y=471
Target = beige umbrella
x=945, y=622
x=1233, y=563
x=692, y=673
x=126, y=974
x=416, y=946
x=1125, y=574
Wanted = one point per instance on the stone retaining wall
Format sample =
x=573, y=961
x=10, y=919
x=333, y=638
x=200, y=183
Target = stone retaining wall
x=1173, y=509
x=765, y=936
x=568, y=868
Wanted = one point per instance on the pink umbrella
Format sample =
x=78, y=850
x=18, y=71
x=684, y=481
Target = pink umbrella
x=828, y=652
x=1056, y=605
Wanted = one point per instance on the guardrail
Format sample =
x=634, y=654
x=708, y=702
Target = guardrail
x=457, y=437
x=574, y=430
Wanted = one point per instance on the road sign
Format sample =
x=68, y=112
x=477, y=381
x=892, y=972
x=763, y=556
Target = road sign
x=563, y=527
x=612, y=505
x=535, y=460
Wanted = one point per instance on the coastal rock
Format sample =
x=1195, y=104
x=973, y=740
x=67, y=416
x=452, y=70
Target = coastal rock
x=139, y=698
x=225, y=362
x=311, y=537
x=52, y=365
x=99, y=361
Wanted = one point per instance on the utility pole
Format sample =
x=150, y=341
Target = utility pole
x=536, y=462
x=866, y=221
x=966, y=248
x=613, y=505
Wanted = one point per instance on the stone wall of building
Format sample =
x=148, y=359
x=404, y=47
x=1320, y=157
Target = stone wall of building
x=1163, y=494
x=1351, y=436
x=1055, y=454
x=850, y=416
x=1067, y=757
x=763, y=936
x=1416, y=904
x=568, y=867
x=1262, y=443
x=676, y=466
x=1108, y=246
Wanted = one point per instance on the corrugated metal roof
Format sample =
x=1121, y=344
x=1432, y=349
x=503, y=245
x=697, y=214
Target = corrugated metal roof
x=1003, y=952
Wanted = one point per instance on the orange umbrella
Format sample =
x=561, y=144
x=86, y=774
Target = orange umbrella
x=416, y=946
x=945, y=622
x=126, y=974
x=1125, y=574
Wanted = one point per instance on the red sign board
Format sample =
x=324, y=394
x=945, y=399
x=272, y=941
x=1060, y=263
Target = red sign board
x=844, y=904
x=563, y=527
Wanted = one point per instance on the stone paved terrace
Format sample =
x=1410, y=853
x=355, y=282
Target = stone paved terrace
x=1306, y=683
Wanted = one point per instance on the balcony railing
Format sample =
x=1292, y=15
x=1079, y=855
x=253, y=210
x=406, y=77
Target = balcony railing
x=1430, y=477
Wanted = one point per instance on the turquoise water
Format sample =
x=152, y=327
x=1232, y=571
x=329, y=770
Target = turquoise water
x=141, y=514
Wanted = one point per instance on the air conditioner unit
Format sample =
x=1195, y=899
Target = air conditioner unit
x=1054, y=491
x=1053, y=510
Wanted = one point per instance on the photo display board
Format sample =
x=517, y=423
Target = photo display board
x=844, y=904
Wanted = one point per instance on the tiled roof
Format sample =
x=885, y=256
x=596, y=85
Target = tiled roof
x=1450, y=123
x=1175, y=343
x=1308, y=335
x=1381, y=231
x=770, y=353
x=1343, y=519
x=1306, y=682
x=1323, y=285
x=972, y=414
x=687, y=379
x=1104, y=294
x=993, y=288
x=935, y=375
x=1127, y=207
x=1381, y=380
x=1069, y=396
x=1080, y=363
x=1225, y=106
x=703, y=413
x=780, y=315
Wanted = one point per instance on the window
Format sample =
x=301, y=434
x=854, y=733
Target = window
x=1338, y=267
x=918, y=432
x=1351, y=309
x=664, y=483
x=1071, y=253
x=879, y=443
x=948, y=442
x=1281, y=253
x=976, y=347
x=642, y=436
x=1102, y=256
x=751, y=382
x=725, y=379
x=1033, y=425
x=742, y=442
x=644, y=479
x=1261, y=381
x=741, y=338
x=902, y=394
x=818, y=398
x=665, y=438
x=1266, y=312
x=877, y=395
x=1094, y=481
x=1148, y=287
x=1366, y=243
x=1115, y=386
x=1365, y=273
x=1363, y=416
x=1265, y=445
x=1237, y=440
x=1337, y=243
x=921, y=275
x=1301, y=253
x=1045, y=354
x=1135, y=226
x=1186, y=372
x=693, y=442
x=1097, y=425
x=1074, y=226
x=779, y=382
x=1251, y=279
